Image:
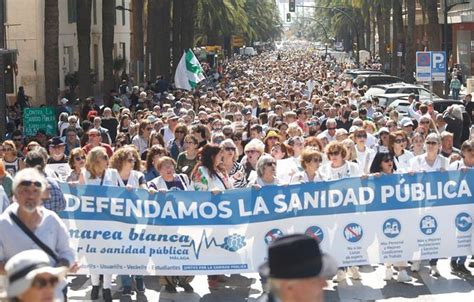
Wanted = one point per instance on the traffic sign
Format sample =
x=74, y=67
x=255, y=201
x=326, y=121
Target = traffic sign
x=430, y=66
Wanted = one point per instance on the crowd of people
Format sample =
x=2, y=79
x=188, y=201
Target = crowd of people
x=292, y=105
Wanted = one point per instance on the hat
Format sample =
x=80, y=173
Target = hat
x=272, y=133
x=295, y=257
x=151, y=118
x=22, y=269
x=377, y=115
x=383, y=130
x=246, y=111
x=171, y=116
x=57, y=141
x=406, y=121
x=170, y=97
x=64, y=101
x=354, y=129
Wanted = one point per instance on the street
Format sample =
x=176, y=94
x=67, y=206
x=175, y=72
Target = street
x=247, y=287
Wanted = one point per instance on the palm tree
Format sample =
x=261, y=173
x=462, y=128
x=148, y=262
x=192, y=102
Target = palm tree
x=138, y=39
x=51, y=51
x=178, y=8
x=398, y=35
x=83, y=8
x=108, y=13
x=410, y=42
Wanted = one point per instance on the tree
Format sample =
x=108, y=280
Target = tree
x=51, y=51
x=397, y=39
x=138, y=39
x=178, y=10
x=410, y=42
x=108, y=17
x=83, y=8
x=158, y=38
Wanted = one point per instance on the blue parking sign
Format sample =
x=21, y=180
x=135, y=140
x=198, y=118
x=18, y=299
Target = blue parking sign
x=438, y=65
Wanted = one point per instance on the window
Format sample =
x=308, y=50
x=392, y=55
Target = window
x=123, y=50
x=71, y=11
x=115, y=14
x=96, y=58
x=94, y=12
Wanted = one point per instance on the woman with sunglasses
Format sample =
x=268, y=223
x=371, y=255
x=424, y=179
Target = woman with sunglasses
x=397, y=146
x=310, y=162
x=253, y=150
x=32, y=278
x=127, y=162
x=430, y=161
x=97, y=172
x=364, y=154
x=77, y=161
x=188, y=158
x=141, y=140
x=231, y=165
x=176, y=146
x=153, y=155
x=266, y=173
x=339, y=168
x=12, y=162
x=237, y=139
x=384, y=164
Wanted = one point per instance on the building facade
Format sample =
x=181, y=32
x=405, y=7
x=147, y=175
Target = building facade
x=25, y=32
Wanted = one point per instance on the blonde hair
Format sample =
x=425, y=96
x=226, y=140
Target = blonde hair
x=91, y=160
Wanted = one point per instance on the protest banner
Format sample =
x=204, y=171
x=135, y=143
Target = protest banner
x=35, y=119
x=60, y=171
x=358, y=221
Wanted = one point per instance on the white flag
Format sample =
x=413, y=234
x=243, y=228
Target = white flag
x=188, y=72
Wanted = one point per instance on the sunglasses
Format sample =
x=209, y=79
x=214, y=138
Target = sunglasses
x=41, y=283
x=229, y=149
x=361, y=136
x=399, y=141
x=251, y=151
x=18, y=139
x=189, y=142
x=28, y=183
x=179, y=131
x=424, y=122
x=431, y=143
x=78, y=158
x=332, y=128
x=314, y=160
x=270, y=164
x=7, y=149
x=387, y=160
x=335, y=153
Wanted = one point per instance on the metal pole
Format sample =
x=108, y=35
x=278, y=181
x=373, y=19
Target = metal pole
x=3, y=96
x=445, y=28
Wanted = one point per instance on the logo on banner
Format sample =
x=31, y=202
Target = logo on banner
x=353, y=232
x=428, y=225
x=315, y=232
x=391, y=228
x=463, y=222
x=273, y=235
x=232, y=243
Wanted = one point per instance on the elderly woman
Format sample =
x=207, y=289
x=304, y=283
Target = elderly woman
x=188, y=158
x=234, y=169
x=32, y=277
x=310, y=161
x=454, y=119
x=253, y=150
x=77, y=160
x=96, y=172
x=169, y=180
x=152, y=157
x=430, y=161
x=12, y=162
x=339, y=168
x=29, y=189
x=176, y=146
x=266, y=172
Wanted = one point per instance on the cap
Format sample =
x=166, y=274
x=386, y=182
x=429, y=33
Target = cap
x=295, y=257
x=57, y=141
x=383, y=130
x=406, y=121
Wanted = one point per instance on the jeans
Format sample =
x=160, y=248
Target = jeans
x=456, y=94
x=127, y=280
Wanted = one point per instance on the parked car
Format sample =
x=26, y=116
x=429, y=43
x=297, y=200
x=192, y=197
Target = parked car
x=376, y=79
x=441, y=105
x=401, y=106
x=397, y=88
x=354, y=73
x=385, y=100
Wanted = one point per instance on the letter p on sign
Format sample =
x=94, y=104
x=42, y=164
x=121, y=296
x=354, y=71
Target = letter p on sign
x=438, y=60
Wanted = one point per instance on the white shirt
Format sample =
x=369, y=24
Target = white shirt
x=168, y=135
x=140, y=143
x=328, y=136
x=459, y=164
x=348, y=169
x=419, y=164
x=402, y=162
x=111, y=178
x=364, y=159
x=303, y=177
